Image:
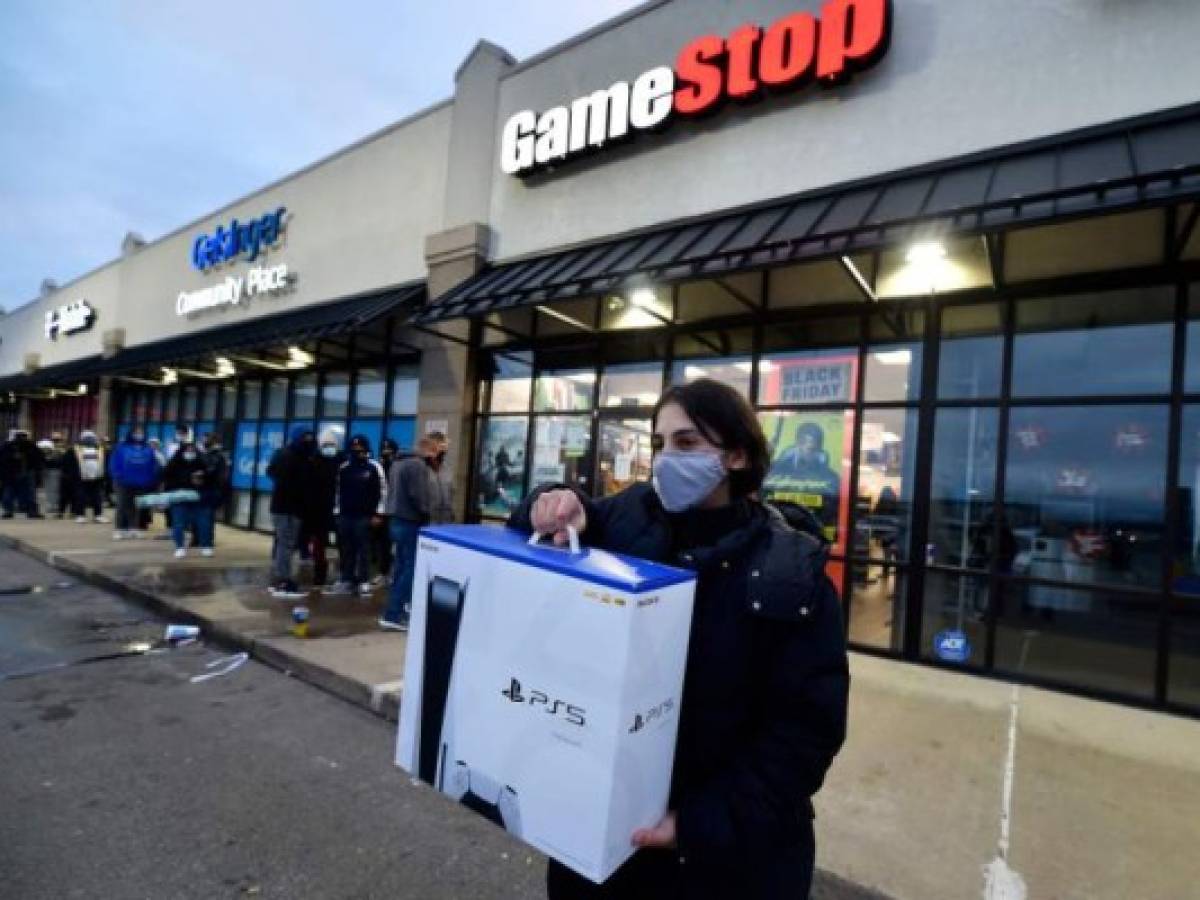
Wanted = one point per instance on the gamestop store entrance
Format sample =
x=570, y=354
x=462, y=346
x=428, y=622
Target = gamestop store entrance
x=998, y=429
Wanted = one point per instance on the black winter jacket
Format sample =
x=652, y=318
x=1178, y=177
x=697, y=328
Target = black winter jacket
x=290, y=471
x=764, y=702
x=187, y=474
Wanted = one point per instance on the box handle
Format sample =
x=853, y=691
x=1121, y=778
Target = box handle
x=572, y=539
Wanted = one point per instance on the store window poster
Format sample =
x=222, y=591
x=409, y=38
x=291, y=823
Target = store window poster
x=810, y=466
x=502, y=466
x=270, y=440
x=809, y=380
x=244, y=454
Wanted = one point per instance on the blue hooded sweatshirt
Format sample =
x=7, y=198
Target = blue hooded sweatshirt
x=135, y=465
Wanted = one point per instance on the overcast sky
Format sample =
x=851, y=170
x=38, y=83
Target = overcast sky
x=146, y=114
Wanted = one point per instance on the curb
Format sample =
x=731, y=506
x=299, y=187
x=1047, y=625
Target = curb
x=386, y=706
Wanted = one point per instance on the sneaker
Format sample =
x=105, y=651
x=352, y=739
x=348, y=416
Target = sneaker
x=365, y=590
x=180, y=553
x=100, y=520
x=339, y=588
x=206, y=551
x=378, y=581
x=389, y=625
x=118, y=535
x=80, y=520
x=288, y=590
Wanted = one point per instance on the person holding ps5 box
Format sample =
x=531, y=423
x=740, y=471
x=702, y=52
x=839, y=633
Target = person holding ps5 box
x=767, y=682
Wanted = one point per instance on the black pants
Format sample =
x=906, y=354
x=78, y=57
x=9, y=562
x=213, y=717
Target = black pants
x=88, y=494
x=381, y=547
x=659, y=875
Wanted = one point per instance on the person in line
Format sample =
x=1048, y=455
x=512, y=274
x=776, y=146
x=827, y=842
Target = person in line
x=21, y=465
x=381, y=539
x=187, y=470
x=66, y=489
x=317, y=521
x=217, y=483
x=289, y=470
x=52, y=460
x=84, y=467
x=135, y=471
x=409, y=509
x=441, y=488
x=766, y=685
x=361, y=500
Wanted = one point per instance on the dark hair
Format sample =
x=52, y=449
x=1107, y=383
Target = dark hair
x=726, y=419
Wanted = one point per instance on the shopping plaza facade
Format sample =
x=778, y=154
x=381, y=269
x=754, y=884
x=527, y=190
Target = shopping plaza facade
x=948, y=250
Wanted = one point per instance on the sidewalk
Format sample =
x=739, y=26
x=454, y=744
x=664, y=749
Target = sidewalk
x=949, y=786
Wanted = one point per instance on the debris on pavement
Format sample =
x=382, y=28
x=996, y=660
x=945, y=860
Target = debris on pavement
x=230, y=663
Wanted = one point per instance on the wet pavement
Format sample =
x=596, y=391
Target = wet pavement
x=136, y=769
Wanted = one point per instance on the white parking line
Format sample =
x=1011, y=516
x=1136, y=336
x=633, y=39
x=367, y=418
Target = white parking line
x=1000, y=882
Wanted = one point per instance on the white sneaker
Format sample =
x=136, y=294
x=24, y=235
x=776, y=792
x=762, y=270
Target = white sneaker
x=118, y=535
x=180, y=553
x=366, y=590
x=100, y=520
x=80, y=520
x=339, y=588
x=206, y=551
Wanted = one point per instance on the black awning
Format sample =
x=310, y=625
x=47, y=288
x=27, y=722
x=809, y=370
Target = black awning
x=1151, y=160
x=307, y=324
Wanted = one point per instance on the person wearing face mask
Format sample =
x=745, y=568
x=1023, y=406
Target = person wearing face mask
x=767, y=682
x=187, y=470
x=216, y=482
x=409, y=509
x=317, y=521
x=289, y=470
x=135, y=471
x=361, y=501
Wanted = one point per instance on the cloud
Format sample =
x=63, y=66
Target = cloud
x=145, y=115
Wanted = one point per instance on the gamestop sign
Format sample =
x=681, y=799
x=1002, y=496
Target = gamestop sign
x=849, y=36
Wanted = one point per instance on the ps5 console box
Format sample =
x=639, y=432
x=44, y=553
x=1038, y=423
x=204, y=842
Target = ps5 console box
x=542, y=688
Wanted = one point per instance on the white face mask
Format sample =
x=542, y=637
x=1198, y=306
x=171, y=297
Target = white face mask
x=684, y=480
x=189, y=456
x=329, y=451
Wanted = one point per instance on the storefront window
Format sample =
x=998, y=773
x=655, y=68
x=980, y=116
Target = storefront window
x=251, y=399
x=1094, y=639
x=500, y=480
x=369, y=393
x=154, y=408
x=1186, y=566
x=877, y=606
x=241, y=509
x=277, y=389
x=187, y=413
x=810, y=378
x=229, y=400
x=564, y=390
x=893, y=373
x=562, y=451
x=405, y=389
x=1084, y=495
x=1185, y=658
x=810, y=453
x=305, y=397
x=208, y=402
x=1069, y=346
x=731, y=370
x=886, y=462
x=335, y=399
x=954, y=629
x=962, y=525
x=639, y=384
x=1191, y=373
x=971, y=353
x=512, y=378
x=126, y=407
x=625, y=454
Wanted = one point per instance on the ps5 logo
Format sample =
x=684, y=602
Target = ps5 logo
x=652, y=715
x=574, y=715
